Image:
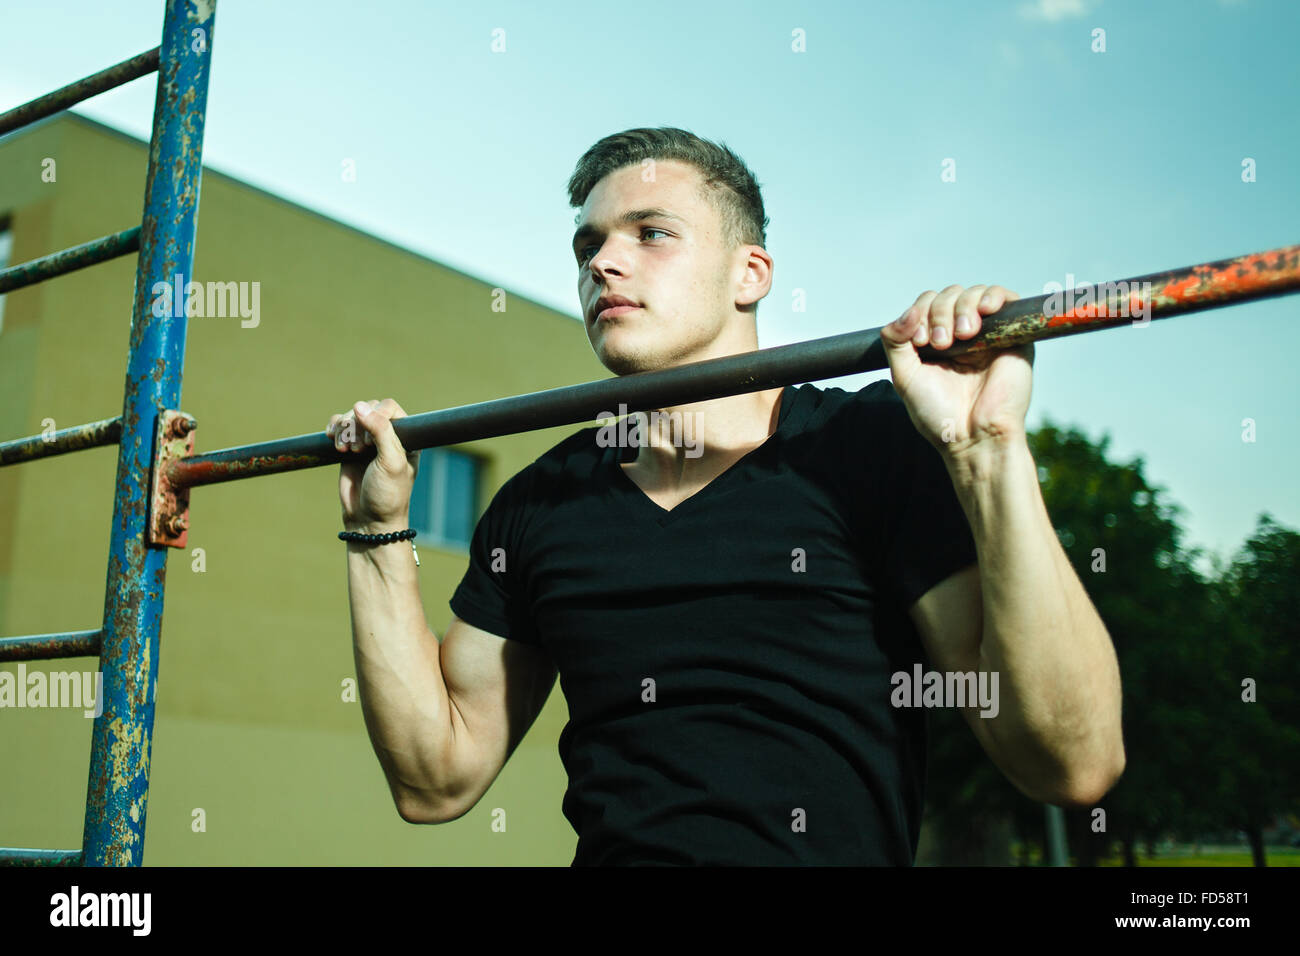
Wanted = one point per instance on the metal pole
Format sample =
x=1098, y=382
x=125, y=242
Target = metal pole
x=1057, y=851
x=118, y=788
x=1105, y=305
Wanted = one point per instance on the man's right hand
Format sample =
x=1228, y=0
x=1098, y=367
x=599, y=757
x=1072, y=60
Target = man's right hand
x=376, y=495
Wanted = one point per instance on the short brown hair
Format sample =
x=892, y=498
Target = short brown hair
x=728, y=183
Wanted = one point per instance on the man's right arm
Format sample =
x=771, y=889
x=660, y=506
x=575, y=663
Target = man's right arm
x=443, y=718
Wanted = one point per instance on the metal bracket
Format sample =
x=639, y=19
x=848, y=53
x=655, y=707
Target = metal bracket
x=169, y=506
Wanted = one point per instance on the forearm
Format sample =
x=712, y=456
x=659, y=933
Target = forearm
x=399, y=675
x=1057, y=731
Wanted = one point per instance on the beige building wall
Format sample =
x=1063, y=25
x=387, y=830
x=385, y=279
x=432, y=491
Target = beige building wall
x=251, y=725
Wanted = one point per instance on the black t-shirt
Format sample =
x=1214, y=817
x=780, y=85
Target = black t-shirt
x=727, y=663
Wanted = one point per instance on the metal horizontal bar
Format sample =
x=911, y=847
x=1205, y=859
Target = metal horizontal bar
x=1159, y=295
x=732, y=375
x=83, y=89
x=48, y=647
x=69, y=260
x=76, y=438
x=20, y=856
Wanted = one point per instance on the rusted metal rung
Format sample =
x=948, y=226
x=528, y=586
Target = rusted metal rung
x=84, y=88
x=69, y=260
x=22, y=856
x=48, y=647
x=76, y=438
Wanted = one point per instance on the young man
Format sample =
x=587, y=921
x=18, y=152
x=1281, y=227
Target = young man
x=732, y=604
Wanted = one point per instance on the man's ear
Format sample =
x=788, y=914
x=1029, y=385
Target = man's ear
x=756, y=275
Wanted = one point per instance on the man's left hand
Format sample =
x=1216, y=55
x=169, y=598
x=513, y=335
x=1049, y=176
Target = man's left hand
x=963, y=402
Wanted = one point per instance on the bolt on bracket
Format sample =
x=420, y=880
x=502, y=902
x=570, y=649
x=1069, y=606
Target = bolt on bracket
x=169, y=505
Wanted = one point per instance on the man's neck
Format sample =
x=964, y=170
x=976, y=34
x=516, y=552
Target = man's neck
x=688, y=445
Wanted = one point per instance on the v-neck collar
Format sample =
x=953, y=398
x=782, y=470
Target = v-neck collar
x=621, y=485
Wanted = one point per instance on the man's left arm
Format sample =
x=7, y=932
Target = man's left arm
x=1021, y=611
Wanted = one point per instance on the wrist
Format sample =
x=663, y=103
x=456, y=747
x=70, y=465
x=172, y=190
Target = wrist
x=377, y=526
x=378, y=533
x=988, y=459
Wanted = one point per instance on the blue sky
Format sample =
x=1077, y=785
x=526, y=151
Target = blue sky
x=1100, y=165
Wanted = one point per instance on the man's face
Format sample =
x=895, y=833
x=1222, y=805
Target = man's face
x=660, y=245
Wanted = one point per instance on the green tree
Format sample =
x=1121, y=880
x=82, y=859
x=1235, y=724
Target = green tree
x=1253, y=773
x=1124, y=541
x=1200, y=755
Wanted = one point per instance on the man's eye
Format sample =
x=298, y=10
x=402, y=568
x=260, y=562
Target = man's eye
x=585, y=252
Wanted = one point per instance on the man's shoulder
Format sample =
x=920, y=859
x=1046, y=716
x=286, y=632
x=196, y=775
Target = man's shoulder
x=881, y=390
x=573, y=454
x=874, y=403
x=578, y=451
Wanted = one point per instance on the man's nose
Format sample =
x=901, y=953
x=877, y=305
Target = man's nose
x=603, y=265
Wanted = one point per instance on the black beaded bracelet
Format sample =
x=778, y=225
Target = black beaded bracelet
x=377, y=538
x=385, y=538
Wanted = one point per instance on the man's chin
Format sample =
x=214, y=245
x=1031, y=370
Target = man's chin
x=623, y=364
x=615, y=359
x=613, y=352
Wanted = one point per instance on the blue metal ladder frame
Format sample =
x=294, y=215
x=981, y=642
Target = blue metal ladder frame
x=127, y=641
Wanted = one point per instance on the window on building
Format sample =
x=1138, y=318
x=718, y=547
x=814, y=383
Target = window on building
x=6, y=247
x=444, y=501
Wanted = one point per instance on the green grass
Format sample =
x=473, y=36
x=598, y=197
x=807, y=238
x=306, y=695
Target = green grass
x=1182, y=856
x=1273, y=856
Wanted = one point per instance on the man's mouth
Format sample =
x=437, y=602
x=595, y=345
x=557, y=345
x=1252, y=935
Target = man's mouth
x=616, y=310
x=612, y=305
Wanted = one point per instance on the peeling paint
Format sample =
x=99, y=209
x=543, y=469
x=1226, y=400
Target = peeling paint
x=126, y=745
x=1175, y=292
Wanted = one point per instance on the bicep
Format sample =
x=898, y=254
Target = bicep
x=495, y=689
x=949, y=619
